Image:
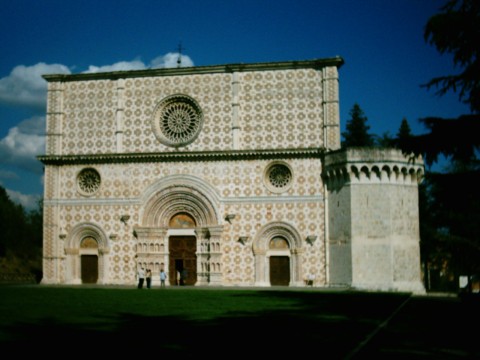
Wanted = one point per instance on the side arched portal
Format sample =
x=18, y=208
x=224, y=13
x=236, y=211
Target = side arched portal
x=277, y=250
x=85, y=248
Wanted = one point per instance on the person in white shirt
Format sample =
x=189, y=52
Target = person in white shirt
x=141, y=277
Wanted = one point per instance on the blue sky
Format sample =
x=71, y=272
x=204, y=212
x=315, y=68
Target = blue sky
x=386, y=57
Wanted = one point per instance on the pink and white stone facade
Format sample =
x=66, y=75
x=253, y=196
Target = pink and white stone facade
x=233, y=156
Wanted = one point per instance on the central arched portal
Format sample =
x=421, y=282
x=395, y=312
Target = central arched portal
x=180, y=231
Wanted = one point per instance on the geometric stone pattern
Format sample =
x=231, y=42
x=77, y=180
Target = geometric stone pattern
x=280, y=109
x=238, y=148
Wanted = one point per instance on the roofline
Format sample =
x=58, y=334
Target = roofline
x=211, y=69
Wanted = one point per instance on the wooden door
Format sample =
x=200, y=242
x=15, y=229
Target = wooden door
x=279, y=270
x=89, y=269
x=183, y=260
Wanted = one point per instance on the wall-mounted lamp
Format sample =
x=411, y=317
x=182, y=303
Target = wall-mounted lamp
x=230, y=217
x=124, y=218
x=243, y=240
x=311, y=239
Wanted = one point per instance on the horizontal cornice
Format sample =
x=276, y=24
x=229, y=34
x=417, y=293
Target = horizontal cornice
x=181, y=156
x=212, y=69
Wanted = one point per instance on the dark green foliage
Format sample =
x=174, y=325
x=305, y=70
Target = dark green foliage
x=456, y=31
x=456, y=139
x=449, y=205
x=21, y=240
x=457, y=216
x=356, y=133
x=404, y=132
x=386, y=140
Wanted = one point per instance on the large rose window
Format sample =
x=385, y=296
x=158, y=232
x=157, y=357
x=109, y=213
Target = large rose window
x=177, y=120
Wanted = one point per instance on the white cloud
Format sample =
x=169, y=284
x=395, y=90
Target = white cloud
x=29, y=202
x=119, y=66
x=170, y=61
x=23, y=143
x=25, y=85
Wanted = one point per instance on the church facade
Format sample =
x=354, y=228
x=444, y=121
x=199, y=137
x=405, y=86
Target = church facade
x=232, y=175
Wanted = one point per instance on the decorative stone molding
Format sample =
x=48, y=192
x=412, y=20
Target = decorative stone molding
x=167, y=202
x=70, y=251
x=371, y=165
x=271, y=230
x=203, y=233
x=185, y=156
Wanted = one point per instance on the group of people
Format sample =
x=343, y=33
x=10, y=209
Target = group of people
x=146, y=275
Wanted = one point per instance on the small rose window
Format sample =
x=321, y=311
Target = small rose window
x=88, y=181
x=278, y=177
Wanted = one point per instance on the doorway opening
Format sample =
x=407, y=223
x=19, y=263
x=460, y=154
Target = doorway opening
x=183, y=260
x=89, y=269
x=279, y=270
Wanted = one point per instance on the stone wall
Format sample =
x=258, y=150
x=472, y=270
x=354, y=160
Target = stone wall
x=237, y=147
x=373, y=219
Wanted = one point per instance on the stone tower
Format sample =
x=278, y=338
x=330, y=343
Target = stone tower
x=373, y=219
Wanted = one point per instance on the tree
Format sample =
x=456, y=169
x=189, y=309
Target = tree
x=386, y=140
x=356, y=133
x=456, y=30
x=21, y=240
x=404, y=132
x=450, y=209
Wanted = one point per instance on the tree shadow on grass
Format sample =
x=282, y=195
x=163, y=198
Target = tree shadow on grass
x=332, y=325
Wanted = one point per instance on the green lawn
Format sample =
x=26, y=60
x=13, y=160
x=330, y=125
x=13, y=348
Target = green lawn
x=192, y=321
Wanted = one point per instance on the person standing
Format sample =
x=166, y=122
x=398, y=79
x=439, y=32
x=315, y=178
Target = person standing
x=178, y=277
x=149, y=278
x=163, y=277
x=141, y=277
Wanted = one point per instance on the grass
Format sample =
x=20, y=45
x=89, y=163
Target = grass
x=188, y=321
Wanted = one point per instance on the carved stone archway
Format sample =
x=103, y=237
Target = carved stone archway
x=263, y=252
x=73, y=252
x=164, y=201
